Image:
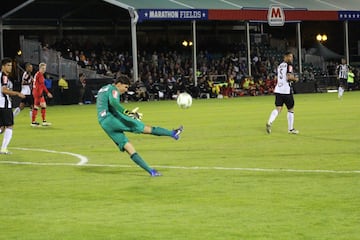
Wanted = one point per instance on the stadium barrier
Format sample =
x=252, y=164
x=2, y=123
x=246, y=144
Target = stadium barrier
x=34, y=53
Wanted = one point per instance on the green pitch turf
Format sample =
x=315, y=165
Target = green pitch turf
x=224, y=179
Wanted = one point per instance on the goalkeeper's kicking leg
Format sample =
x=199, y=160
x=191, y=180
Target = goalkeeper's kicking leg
x=125, y=145
x=129, y=148
x=159, y=131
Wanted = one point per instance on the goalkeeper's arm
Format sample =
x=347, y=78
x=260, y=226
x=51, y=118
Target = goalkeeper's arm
x=115, y=102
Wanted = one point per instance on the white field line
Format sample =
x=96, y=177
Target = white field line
x=190, y=168
x=83, y=159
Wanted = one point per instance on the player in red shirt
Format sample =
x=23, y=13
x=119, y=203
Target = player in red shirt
x=39, y=101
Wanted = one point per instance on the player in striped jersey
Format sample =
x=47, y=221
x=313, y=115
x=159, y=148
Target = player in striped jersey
x=283, y=93
x=26, y=87
x=342, y=71
x=6, y=114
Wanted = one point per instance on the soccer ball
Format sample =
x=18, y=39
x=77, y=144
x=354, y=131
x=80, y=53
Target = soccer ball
x=184, y=100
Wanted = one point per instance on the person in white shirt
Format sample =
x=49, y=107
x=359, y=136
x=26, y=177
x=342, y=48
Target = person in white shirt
x=342, y=71
x=283, y=93
x=6, y=114
x=26, y=84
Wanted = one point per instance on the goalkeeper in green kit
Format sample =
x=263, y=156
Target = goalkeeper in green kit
x=115, y=120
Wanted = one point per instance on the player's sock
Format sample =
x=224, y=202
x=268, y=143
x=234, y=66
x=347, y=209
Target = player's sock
x=273, y=116
x=139, y=161
x=16, y=111
x=7, y=137
x=159, y=131
x=290, y=118
x=43, y=114
x=34, y=113
x=340, y=92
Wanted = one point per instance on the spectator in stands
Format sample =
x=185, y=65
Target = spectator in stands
x=63, y=90
x=270, y=83
x=229, y=88
x=48, y=84
x=102, y=67
x=174, y=65
x=141, y=91
x=82, y=86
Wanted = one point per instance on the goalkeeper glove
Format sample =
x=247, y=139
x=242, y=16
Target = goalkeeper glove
x=134, y=114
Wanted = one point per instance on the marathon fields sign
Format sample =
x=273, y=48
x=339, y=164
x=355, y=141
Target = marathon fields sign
x=276, y=16
x=173, y=14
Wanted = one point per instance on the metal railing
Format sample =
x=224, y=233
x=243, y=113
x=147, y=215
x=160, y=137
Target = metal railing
x=34, y=53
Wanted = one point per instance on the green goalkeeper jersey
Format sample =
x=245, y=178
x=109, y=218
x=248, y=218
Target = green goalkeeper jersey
x=108, y=102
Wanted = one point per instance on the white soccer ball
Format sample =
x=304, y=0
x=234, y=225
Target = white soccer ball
x=184, y=100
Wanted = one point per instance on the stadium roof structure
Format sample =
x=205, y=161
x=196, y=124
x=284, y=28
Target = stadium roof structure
x=253, y=10
x=61, y=14
x=331, y=5
x=17, y=13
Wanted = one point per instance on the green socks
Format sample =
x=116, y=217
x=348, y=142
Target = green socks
x=139, y=161
x=158, y=131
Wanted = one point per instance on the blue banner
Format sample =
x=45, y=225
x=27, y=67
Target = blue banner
x=172, y=14
x=349, y=15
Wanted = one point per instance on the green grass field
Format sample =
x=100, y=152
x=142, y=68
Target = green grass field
x=224, y=179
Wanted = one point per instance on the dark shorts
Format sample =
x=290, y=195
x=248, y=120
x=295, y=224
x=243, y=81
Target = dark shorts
x=6, y=117
x=287, y=99
x=342, y=82
x=28, y=100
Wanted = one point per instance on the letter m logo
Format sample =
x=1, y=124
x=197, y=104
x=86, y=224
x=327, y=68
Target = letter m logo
x=276, y=16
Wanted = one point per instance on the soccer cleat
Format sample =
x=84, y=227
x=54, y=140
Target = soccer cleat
x=45, y=123
x=4, y=151
x=35, y=124
x=293, y=131
x=176, y=133
x=154, y=173
x=268, y=128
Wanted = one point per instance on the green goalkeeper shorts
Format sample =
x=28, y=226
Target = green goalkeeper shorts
x=116, y=126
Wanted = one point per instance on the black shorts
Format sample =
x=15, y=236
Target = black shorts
x=6, y=117
x=28, y=100
x=287, y=99
x=342, y=82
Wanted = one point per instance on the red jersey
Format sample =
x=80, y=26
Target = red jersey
x=39, y=84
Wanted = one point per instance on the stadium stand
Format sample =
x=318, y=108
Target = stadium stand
x=166, y=71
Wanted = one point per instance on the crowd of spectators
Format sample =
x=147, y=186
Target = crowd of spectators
x=163, y=74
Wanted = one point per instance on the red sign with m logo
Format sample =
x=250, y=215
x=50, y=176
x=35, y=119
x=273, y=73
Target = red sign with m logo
x=276, y=16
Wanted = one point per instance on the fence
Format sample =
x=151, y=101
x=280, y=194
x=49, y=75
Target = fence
x=34, y=53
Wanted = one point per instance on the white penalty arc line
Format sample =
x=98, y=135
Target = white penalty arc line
x=83, y=159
